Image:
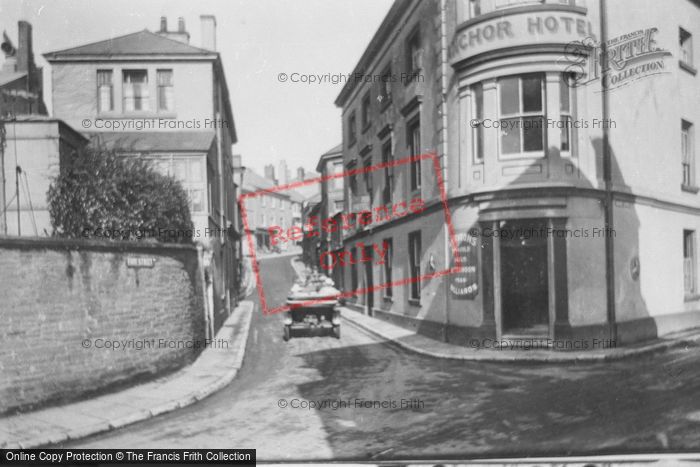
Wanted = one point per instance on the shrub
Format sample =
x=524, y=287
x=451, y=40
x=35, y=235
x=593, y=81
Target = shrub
x=108, y=196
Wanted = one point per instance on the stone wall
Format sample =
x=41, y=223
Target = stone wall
x=78, y=316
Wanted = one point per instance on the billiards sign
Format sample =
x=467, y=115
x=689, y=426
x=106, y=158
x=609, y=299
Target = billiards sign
x=464, y=283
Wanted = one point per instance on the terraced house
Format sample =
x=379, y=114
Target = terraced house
x=156, y=96
x=565, y=132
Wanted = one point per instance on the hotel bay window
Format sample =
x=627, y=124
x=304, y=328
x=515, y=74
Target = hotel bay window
x=528, y=114
x=474, y=8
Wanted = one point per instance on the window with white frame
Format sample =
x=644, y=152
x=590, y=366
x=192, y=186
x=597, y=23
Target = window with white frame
x=166, y=93
x=686, y=46
x=478, y=127
x=388, y=246
x=687, y=153
x=414, y=255
x=689, y=262
x=189, y=171
x=522, y=115
x=105, y=91
x=414, y=146
x=565, y=113
x=135, y=90
x=337, y=183
x=387, y=158
x=414, y=53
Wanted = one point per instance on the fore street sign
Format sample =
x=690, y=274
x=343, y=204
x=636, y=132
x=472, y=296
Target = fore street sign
x=140, y=261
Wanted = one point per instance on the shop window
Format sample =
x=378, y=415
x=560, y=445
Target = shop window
x=522, y=115
x=689, y=262
x=687, y=154
x=105, y=91
x=414, y=255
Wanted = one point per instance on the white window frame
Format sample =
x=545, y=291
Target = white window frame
x=522, y=115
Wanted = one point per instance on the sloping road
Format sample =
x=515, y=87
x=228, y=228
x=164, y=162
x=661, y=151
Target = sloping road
x=453, y=409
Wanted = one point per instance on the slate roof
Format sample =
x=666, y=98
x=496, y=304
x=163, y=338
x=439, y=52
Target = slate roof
x=143, y=141
x=138, y=43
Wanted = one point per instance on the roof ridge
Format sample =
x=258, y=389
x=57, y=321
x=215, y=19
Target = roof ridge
x=75, y=50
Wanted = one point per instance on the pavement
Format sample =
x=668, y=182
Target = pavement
x=215, y=368
x=409, y=340
x=475, y=351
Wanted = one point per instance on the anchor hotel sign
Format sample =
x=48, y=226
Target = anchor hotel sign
x=475, y=37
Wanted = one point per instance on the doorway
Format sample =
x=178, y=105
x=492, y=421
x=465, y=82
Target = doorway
x=524, y=278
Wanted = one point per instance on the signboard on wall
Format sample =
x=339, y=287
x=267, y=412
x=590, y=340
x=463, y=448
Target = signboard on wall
x=464, y=284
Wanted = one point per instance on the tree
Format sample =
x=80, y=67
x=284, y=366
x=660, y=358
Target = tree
x=101, y=194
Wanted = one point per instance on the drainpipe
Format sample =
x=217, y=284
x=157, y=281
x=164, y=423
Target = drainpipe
x=607, y=176
x=444, y=68
x=3, y=218
x=222, y=212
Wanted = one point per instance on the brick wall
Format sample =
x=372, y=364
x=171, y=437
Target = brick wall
x=62, y=301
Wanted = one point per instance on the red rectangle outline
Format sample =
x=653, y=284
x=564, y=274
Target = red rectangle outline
x=448, y=221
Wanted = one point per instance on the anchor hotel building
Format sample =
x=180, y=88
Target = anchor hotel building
x=566, y=132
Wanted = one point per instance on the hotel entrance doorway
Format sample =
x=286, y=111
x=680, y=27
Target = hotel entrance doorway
x=524, y=279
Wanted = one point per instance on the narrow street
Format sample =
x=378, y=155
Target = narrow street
x=466, y=408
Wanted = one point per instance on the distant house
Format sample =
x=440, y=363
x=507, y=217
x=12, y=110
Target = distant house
x=330, y=166
x=269, y=210
x=154, y=95
x=33, y=146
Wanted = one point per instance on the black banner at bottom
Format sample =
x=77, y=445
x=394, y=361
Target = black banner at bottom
x=127, y=456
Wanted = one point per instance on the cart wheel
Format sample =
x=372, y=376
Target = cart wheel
x=336, y=331
x=287, y=333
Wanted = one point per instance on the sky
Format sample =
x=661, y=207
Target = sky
x=257, y=39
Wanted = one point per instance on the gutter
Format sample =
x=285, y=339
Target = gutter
x=444, y=68
x=607, y=176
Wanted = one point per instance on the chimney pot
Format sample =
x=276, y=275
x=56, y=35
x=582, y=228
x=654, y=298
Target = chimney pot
x=163, y=24
x=181, y=24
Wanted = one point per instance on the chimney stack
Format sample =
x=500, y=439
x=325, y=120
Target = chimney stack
x=270, y=172
x=25, y=55
x=208, y=32
x=181, y=35
x=301, y=173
